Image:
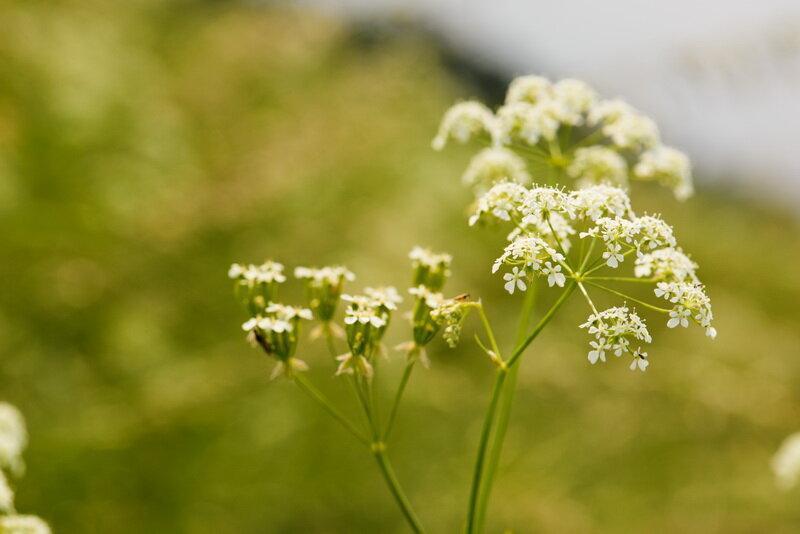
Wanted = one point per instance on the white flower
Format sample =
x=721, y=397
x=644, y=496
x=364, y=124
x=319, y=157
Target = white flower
x=554, y=275
x=388, y=297
x=786, y=463
x=599, y=353
x=268, y=324
x=639, y=361
x=668, y=166
x=599, y=165
x=236, y=271
x=515, y=279
x=613, y=255
x=613, y=329
x=496, y=164
x=690, y=301
x=653, y=233
x=464, y=121
x=520, y=121
x=601, y=201
x=527, y=252
x=502, y=201
x=667, y=264
x=528, y=89
x=679, y=317
x=364, y=316
x=424, y=257
x=13, y=437
x=287, y=313
x=573, y=98
x=626, y=127
x=332, y=275
x=23, y=524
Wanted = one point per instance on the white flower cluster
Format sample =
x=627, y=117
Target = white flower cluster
x=277, y=331
x=464, y=121
x=23, y=524
x=567, y=126
x=267, y=272
x=529, y=255
x=324, y=288
x=669, y=167
x=598, y=165
x=691, y=302
x=635, y=234
x=786, y=463
x=332, y=275
x=256, y=285
x=545, y=219
x=429, y=269
x=279, y=318
x=624, y=125
x=667, y=264
x=13, y=440
x=494, y=164
x=613, y=330
x=366, y=320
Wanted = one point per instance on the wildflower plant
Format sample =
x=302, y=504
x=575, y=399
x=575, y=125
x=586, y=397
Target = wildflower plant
x=555, y=173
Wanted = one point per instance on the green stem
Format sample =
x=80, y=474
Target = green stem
x=379, y=451
x=506, y=403
x=489, y=332
x=398, y=396
x=477, y=474
x=621, y=279
x=317, y=395
x=628, y=297
x=491, y=412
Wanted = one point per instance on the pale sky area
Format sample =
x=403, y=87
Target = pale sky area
x=722, y=77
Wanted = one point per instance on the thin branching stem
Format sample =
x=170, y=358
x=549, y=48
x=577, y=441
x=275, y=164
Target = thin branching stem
x=410, y=361
x=491, y=412
x=506, y=403
x=627, y=297
x=318, y=396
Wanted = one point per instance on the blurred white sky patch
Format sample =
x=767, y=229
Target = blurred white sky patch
x=721, y=77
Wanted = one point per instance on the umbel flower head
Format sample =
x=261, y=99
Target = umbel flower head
x=324, y=288
x=256, y=285
x=429, y=269
x=366, y=321
x=613, y=237
x=563, y=130
x=277, y=331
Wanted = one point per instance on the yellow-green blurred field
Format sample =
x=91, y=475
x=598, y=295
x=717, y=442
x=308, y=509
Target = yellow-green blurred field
x=144, y=146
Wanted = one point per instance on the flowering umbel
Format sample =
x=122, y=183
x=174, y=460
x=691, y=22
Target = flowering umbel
x=563, y=130
x=546, y=220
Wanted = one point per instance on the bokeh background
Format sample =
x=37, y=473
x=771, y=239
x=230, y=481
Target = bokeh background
x=145, y=146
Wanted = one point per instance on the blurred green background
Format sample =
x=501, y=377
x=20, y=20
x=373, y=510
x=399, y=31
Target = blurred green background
x=144, y=146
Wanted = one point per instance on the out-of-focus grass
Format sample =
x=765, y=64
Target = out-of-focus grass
x=144, y=146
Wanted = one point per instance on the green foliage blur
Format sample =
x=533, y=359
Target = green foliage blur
x=145, y=146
